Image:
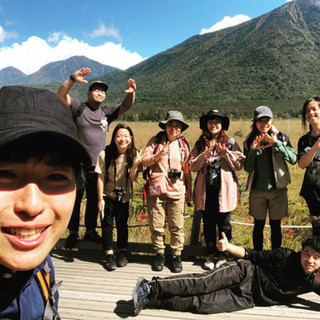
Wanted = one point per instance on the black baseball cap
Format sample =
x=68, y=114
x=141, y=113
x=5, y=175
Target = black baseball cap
x=98, y=83
x=34, y=112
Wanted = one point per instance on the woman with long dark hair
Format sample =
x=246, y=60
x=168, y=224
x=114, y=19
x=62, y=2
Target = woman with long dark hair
x=117, y=166
x=215, y=157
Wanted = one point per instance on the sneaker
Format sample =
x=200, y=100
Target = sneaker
x=209, y=263
x=176, y=264
x=71, y=240
x=141, y=295
x=220, y=262
x=110, y=263
x=122, y=258
x=92, y=236
x=158, y=262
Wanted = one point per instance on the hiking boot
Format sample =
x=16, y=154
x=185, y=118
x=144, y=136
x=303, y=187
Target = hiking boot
x=93, y=236
x=110, y=263
x=140, y=295
x=71, y=240
x=122, y=258
x=209, y=263
x=158, y=262
x=176, y=264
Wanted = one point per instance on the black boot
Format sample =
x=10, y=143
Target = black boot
x=176, y=264
x=158, y=262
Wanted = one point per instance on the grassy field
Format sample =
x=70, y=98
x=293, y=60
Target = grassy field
x=242, y=234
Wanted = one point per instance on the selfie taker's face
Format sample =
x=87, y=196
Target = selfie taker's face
x=36, y=201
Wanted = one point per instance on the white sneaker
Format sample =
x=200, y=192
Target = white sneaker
x=220, y=262
x=209, y=263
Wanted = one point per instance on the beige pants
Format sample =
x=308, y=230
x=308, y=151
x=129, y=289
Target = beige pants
x=162, y=209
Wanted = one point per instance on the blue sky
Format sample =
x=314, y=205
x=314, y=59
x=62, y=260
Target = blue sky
x=119, y=33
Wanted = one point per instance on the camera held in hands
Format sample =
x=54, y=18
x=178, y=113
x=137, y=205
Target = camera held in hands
x=174, y=174
x=120, y=192
x=213, y=174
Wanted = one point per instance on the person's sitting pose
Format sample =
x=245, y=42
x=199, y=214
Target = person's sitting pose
x=260, y=278
x=40, y=171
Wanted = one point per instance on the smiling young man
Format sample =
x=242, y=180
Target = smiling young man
x=261, y=278
x=41, y=163
x=92, y=122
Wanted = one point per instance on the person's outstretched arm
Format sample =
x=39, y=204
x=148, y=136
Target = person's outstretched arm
x=63, y=91
x=130, y=97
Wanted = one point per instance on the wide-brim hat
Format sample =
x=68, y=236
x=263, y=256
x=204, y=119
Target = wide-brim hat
x=173, y=115
x=98, y=83
x=225, y=121
x=27, y=112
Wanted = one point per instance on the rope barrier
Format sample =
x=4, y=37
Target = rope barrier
x=232, y=222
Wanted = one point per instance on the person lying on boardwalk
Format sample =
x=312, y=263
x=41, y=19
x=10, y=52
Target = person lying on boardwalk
x=257, y=278
x=40, y=172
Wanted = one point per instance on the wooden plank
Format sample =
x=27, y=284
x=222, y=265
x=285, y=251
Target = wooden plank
x=90, y=292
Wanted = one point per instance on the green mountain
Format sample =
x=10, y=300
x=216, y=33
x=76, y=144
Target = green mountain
x=273, y=59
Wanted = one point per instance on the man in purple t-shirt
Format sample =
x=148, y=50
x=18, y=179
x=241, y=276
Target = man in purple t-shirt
x=92, y=125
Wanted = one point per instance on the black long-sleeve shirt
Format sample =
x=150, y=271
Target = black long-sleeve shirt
x=279, y=276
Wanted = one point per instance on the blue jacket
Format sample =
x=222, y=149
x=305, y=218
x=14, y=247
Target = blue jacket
x=21, y=296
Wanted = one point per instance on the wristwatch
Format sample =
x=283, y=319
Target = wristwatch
x=72, y=78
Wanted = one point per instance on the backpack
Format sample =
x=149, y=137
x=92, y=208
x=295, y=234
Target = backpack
x=110, y=117
x=42, y=278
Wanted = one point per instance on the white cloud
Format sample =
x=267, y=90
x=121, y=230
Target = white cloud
x=30, y=55
x=105, y=31
x=55, y=37
x=6, y=34
x=226, y=22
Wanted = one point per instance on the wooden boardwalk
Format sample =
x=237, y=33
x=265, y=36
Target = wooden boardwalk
x=90, y=292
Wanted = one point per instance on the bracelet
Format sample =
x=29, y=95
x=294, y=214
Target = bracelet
x=72, y=78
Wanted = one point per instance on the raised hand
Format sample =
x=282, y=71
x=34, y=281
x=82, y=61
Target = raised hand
x=131, y=86
x=223, y=243
x=79, y=75
x=161, y=152
x=208, y=149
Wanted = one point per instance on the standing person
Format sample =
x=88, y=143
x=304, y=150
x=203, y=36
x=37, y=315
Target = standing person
x=267, y=150
x=40, y=169
x=92, y=123
x=167, y=155
x=117, y=166
x=215, y=157
x=309, y=159
x=261, y=278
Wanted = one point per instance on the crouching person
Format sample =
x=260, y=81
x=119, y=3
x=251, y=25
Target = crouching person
x=261, y=278
x=40, y=170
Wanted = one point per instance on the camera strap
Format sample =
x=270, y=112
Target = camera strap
x=115, y=175
x=182, y=151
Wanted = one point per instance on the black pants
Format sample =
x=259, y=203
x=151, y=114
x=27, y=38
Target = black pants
x=212, y=218
x=118, y=211
x=313, y=206
x=91, y=212
x=276, y=235
x=228, y=288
